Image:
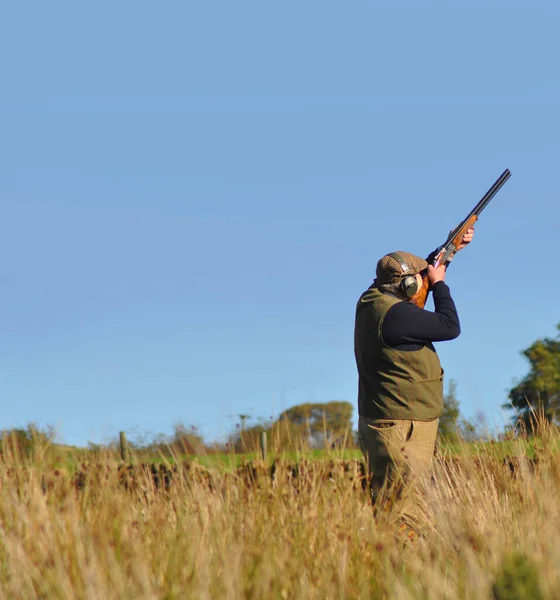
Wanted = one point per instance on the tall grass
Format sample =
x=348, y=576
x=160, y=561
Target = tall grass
x=490, y=529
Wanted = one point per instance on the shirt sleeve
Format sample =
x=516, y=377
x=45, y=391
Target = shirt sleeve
x=405, y=323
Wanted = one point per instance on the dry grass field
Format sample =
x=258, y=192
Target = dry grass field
x=491, y=529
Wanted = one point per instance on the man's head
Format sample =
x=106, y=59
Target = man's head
x=398, y=267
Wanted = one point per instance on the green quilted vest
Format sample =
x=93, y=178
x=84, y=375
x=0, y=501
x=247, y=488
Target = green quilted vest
x=393, y=384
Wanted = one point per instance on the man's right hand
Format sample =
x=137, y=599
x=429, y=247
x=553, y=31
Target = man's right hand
x=437, y=274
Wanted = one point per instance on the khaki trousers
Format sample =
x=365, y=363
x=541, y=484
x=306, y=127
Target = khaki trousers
x=399, y=454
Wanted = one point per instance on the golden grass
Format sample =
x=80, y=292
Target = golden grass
x=491, y=529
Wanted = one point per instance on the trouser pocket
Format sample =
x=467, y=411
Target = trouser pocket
x=382, y=424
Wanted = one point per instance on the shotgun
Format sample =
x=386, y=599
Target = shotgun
x=444, y=254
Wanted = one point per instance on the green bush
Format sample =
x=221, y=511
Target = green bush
x=518, y=579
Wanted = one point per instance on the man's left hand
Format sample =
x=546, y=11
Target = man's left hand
x=467, y=239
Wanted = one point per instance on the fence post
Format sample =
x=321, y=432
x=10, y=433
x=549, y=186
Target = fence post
x=124, y=445
x=263, y=445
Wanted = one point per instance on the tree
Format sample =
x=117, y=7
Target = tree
x=243, y=418
x=317, y=424
x=450, y=415
x=538, y=393
x=248, y=439
x=320, y=422
x=183, y=441
x=29, y=442
x=187, y=440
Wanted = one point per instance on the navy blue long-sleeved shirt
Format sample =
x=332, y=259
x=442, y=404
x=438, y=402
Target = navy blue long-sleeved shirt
x=407, y=327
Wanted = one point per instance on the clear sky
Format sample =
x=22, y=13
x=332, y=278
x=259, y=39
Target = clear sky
x=194, y=195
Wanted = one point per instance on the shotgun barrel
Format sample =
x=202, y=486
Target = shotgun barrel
x=482, y=204
x=444, y=254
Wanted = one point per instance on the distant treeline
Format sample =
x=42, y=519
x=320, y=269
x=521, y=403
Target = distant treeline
x=329, y=424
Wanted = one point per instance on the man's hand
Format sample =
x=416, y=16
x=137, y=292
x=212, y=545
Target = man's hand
x=467, y=239
x=436, y=274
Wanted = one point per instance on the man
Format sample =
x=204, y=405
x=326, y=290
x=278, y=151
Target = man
x=400, y=390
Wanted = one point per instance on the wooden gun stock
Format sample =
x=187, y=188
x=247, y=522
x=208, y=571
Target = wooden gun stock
x=421, y=296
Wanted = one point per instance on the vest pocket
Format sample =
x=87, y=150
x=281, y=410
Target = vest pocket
x=429, y=391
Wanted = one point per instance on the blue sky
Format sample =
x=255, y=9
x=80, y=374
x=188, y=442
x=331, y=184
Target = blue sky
x=194, y=195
